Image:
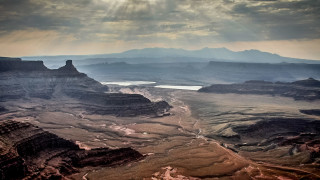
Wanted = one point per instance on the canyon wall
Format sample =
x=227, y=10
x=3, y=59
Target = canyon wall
x=26, y=151
x=37, y=81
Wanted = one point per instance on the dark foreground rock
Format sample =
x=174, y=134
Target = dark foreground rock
x=308, y=89
x=27, y=151
x=31, y=79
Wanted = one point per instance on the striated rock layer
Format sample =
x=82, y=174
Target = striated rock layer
x=31, y=79
x=27, y=151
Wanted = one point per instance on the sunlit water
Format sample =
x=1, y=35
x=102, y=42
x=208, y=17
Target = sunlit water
x=128, y=83
x=193, y=88
x=137, y=83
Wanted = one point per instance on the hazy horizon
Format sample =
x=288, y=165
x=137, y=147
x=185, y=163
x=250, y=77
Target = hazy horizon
x=288, y=28
x=190, y=50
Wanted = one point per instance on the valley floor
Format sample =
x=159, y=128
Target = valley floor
x=197, y=141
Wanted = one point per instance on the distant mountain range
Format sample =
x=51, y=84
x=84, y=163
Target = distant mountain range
x=158, y=55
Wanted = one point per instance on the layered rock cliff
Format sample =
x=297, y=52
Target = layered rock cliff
x=31, y=79
x=28, y=152
x=270, y=134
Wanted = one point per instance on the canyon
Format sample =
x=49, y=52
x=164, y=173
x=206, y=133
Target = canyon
x=61, y=123
x=28, y=151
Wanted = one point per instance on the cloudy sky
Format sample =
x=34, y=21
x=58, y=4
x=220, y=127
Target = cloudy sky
x=50, y=27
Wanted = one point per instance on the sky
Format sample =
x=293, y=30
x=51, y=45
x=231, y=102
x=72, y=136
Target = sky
x=289, y=28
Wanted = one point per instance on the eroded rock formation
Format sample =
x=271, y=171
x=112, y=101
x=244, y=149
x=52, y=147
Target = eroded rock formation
x=31, y=79
x=270, y=134
x=37, y=81
x=27, y=151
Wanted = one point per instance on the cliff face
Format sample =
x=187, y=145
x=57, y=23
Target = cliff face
x=36, y=81
x=29, y=79
x=27, y=151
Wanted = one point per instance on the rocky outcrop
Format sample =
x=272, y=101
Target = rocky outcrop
x=301, y=135
x=27, y=151
x=308, y=89
x=18, y=83
x=68, y=68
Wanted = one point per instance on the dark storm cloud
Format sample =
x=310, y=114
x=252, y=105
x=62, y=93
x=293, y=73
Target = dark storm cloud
x=207, y=20
x=281, y=19
x=44, y=15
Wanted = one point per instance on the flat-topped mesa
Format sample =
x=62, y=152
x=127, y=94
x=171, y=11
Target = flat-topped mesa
x=16, y=64
x=310, y=82
x=308, y=89
x=9, y=59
